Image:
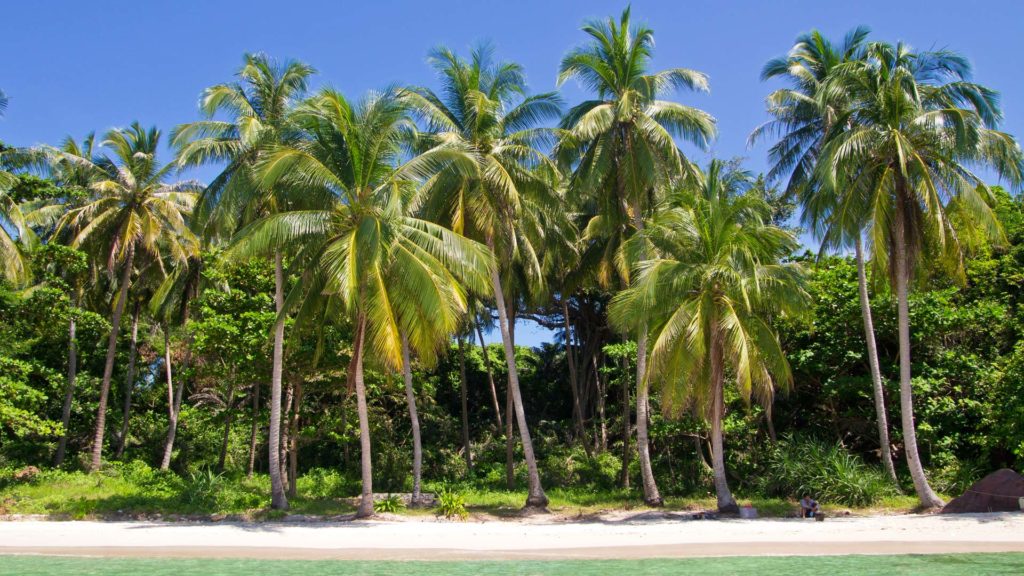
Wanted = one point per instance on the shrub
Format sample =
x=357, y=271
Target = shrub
x=203, y=488
x=391, y=504
x=323, y=483
x=828, y=471
x=451, y=504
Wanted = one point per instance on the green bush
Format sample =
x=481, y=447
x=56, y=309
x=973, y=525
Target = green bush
x=323, y=483
x=392, y=504
x=828, y=471
x=451, y=504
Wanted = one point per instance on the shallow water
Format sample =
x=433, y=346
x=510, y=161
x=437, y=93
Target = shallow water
x=954, y=564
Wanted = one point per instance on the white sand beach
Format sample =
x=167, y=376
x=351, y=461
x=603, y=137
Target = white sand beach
x=637, y=536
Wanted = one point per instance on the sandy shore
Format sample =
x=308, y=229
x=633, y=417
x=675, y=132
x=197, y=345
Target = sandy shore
x=626, y=537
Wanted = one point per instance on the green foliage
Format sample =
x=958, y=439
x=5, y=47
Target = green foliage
x=392, y=504
x=827, y=471
x=20, y=400
x=451, y=504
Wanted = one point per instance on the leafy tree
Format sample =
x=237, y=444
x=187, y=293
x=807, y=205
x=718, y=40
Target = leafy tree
x=389, y=273
x=804, y=116
x=501, y=200
x=915, y=125
x=259, y=105
x=709, y=298
x=623, y=148
x=133, y=211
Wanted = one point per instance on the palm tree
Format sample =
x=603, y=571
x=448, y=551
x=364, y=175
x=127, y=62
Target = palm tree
x=258, y=105
x=365, y=258
x=803, y=116
x=708, y=298
x=133, y=212
x=915, y=127
x=482, y=109
x=622, y=144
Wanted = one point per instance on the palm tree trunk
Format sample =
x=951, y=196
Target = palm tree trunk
x=535, y=497
x=490, y=376
x=726, y=503
x=365, y=460
x=510, y=443
x=414, y=419
x=577, y=413
x=129, y=382
x=278, y=498
x=293, y=443
x=254, y=430
x=467, y=447
x=289, y=397
x=108, y=368
x=651, y=495
x=876, y=374
x=228, y=412
x=924, y=492
x=626, y=424
x=602, y=391
x=69, y=394
x=173, y=401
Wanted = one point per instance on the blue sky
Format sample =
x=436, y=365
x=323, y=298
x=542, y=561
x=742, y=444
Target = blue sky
x=70, y=67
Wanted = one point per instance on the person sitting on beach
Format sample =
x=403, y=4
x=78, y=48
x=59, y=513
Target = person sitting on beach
x=808, y=507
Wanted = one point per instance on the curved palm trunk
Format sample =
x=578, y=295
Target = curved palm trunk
x=651, y=495
x=535, y=497
x=924, y=492
x=69, y=394
x=876, y=374
x=414, y=419
x=365, y=459
x=490, y=376
x=129, y=382
x=726, y=503
x=467, y=447
x=643, y=448
x=278, y=498
x=173, y=402
x=510, y=442
x=108, y=367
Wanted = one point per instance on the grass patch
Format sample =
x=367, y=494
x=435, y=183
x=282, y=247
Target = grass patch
x=135, y=489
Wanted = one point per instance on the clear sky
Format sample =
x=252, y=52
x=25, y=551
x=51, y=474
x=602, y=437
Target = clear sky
x=70, y=67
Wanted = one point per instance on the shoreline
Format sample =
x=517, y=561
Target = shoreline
x=520, y=540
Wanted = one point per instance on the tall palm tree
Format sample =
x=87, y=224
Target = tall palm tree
x=133, y=211
x=622, y=143
x=258, y=106
x=708, y=297
x=483, y=109
x=803, y=116
x=916, y=126
x=366, y=259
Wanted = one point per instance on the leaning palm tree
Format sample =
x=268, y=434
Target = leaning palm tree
x=134, y=211
x=622, y=145
x=917, y=124
x=708, y=298
x=482, y=109
x=258, y=106
x=803, y=117
x=367, y=260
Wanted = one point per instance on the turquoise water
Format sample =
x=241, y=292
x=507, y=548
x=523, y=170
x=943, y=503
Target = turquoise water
x=941, y=565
